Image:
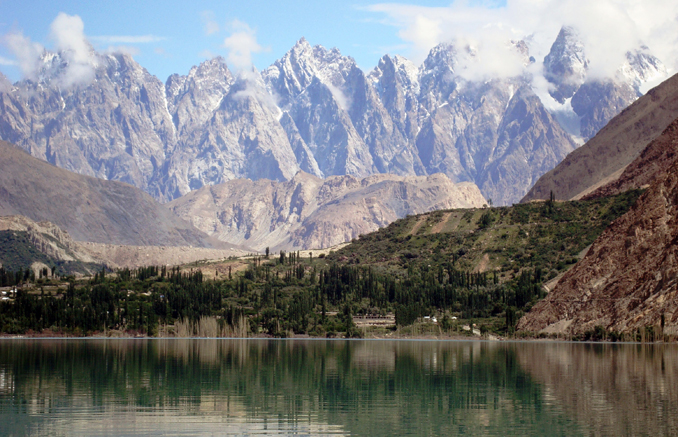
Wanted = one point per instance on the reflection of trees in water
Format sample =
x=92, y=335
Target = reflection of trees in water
x=610, y=389
x=367, y=387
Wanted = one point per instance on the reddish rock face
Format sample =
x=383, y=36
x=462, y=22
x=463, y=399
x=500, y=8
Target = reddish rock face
x=628, y=279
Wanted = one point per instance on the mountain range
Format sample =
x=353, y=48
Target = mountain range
x=315, y=110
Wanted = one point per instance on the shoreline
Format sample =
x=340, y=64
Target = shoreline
x=447, y=338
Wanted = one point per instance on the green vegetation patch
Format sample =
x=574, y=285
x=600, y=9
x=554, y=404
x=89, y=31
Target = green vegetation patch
x=545, y=235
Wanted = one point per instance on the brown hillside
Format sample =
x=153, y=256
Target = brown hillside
x=652, y=164
x=89, y=209
x=603, y=158
x=629, y=277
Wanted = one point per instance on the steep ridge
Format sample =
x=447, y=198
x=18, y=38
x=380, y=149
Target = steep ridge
x=114, y=126
x=90, y=209
x=495, y=133
x=309, y=212
x=602, y=159
x=627, y=280
x=652, y=164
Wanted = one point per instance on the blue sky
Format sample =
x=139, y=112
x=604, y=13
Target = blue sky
x=176, y=34
x=171, y=36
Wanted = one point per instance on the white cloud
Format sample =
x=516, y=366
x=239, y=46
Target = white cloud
x=608, y=28
x=241, y=44
x=340, y=97
x=210, y=23
x=127, y=39
x=5, y=61
x=27, y=53
x=67, y=31
x=207, y=54
x=128, y=50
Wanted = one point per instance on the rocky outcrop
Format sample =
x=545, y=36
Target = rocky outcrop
x=309, y=212
x=628, y=279
x=48, y=239
x=89, y=209
x=602, y=159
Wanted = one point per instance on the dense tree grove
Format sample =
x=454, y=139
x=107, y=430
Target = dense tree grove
x=286, y=294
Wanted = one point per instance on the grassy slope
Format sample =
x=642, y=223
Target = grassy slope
x=514, y=238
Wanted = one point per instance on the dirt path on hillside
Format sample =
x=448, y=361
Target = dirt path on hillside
x=441, y=224
x=420, y=222
x=484, y=262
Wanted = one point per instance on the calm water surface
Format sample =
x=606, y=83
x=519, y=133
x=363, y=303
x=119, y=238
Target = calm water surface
x=317, y=387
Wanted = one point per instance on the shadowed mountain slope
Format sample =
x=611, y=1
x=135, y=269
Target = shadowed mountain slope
x=89, y=209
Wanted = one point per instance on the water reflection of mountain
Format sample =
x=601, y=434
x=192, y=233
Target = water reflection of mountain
x=610, y=389
x=352, y=387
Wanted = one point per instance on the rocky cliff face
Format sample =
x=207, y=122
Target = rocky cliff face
x=627, y=280
x=308, y=212
x=312, y=110
x=114, y=127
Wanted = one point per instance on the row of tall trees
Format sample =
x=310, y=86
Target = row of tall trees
x=283, y=294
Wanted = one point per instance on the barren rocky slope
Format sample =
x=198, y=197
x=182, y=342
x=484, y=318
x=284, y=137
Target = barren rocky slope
x=627, y=280
x=90, y=209
x=602, y=159
x=652, y=164
x=309, y=212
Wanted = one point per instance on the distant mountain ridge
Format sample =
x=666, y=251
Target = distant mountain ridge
x=312, y=110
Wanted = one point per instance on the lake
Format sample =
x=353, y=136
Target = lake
x=335, y=387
